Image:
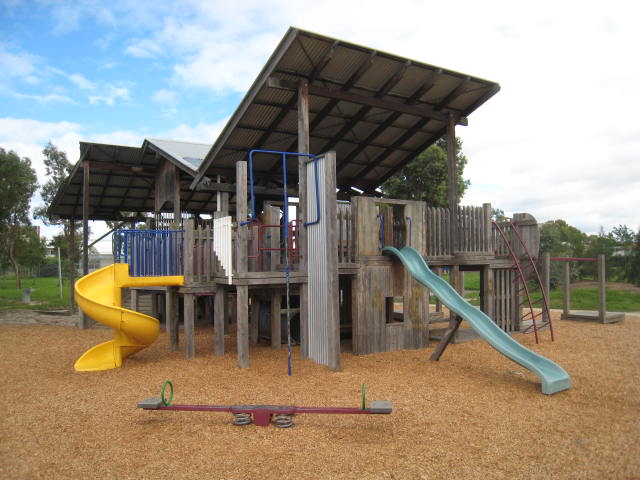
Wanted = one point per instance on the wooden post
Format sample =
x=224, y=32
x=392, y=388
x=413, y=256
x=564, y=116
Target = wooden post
x=85, y=321
x=303, y=147
x=566, y=301
x=255, y=318
x=488, y=228
x=188, y=249
x=171, y=314
x=546, y=281
x=219, y=321
x=134, y=299
x=243, y=325
x=602, y=282
x=189, y=325
x=454, y=320
x=487, y=293
x=242, y=296
x=276, y=320
x=452, y=182
x=154, y=306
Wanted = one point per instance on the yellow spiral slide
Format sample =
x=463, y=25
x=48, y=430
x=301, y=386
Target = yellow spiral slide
x=99, y=295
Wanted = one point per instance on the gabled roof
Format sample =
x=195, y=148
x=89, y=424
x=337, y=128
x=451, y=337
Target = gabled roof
x=376, y=110
x=122, y=179
x=185, y=155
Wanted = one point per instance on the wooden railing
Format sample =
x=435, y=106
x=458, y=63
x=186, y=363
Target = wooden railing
x=470, y=234
x=345, y=231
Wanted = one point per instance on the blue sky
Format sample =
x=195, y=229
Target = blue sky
x=560, y=140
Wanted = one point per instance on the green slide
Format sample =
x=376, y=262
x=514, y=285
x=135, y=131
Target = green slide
x=553, y=377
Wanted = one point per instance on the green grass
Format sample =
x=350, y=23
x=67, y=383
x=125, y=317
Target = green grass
x=45, y=297
x=581, y=299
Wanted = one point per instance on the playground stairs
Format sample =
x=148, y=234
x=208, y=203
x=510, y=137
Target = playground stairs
x=534, y=314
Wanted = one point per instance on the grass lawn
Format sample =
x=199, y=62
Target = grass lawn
x=46, y=295
x=581, y=298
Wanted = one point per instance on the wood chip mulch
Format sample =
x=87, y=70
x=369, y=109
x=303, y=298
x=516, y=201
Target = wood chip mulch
x=473, y=415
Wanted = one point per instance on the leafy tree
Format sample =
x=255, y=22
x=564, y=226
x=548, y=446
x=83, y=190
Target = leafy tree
x=634, y=261
x=562, y=240
x=58, y=168
x=620, y=260
x=18, y=182
x=426, y=177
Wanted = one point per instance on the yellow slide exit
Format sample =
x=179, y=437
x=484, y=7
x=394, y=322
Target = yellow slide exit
x=99, y=295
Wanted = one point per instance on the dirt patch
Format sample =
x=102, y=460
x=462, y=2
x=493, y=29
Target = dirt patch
x=34, y=317
x=474, y=414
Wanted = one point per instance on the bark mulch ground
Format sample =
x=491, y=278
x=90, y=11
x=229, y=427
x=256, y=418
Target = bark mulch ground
x=474, y=414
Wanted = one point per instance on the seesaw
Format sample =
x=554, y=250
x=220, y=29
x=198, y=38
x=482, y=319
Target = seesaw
x=262, y=415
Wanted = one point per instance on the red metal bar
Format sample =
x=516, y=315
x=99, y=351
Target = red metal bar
x=262, y=414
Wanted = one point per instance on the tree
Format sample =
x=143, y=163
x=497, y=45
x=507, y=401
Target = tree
x=58, y=168
x=426, y=177
x=634, y=261
x=18, y=182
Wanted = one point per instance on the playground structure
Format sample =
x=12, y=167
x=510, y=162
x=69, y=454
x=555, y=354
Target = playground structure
x=601, y=315
x=283, y=223
x=263, y=415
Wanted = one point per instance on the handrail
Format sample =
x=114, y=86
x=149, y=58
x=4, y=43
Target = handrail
x=253, y=217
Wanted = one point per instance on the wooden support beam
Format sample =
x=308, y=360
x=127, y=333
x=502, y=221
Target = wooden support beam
x=602, y=283
x=242, y=333
x=336, y=95
x=255, y=318
x=546, y=281
x=85, y=321
x=189, y=325
x=219, y=321
x=566, y=286
x=303, y=147
x=452, y=182
x=276, y=320
x=172, y=318
x=454, y=323
x=72, y=261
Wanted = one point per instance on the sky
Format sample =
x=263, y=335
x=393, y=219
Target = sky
x=561, y=140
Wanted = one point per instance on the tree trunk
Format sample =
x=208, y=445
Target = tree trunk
x=16, y=267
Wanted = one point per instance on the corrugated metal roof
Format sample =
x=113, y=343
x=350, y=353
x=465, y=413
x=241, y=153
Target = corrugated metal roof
x=377, y=110
x=122, y=179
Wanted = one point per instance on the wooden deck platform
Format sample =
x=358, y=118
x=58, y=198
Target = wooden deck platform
x=593, y=316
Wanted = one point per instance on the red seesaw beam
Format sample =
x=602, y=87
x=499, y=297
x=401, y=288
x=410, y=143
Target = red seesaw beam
x=262, y=413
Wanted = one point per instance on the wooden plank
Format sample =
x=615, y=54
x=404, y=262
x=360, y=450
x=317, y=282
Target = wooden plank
x=241, y=216
x=255, y=318
x=546, y=281
x=188, y=250
x=276, y=320
x=452, y=187
x=303, y=147
x=566, y=288
x=173, y=316
x=242, y=334
x=219, y=321
x=602, y=281
x=189, y=326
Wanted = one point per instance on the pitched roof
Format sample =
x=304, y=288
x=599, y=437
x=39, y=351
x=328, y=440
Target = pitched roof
x=122, y=179
x=377, y=110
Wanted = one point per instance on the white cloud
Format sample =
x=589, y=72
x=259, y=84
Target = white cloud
x=165, y=97
x=21, y=64
x=110, y=94
x=81, y=82
x=202, y=132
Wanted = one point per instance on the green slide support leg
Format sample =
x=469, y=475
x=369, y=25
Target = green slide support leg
x=553, y=377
